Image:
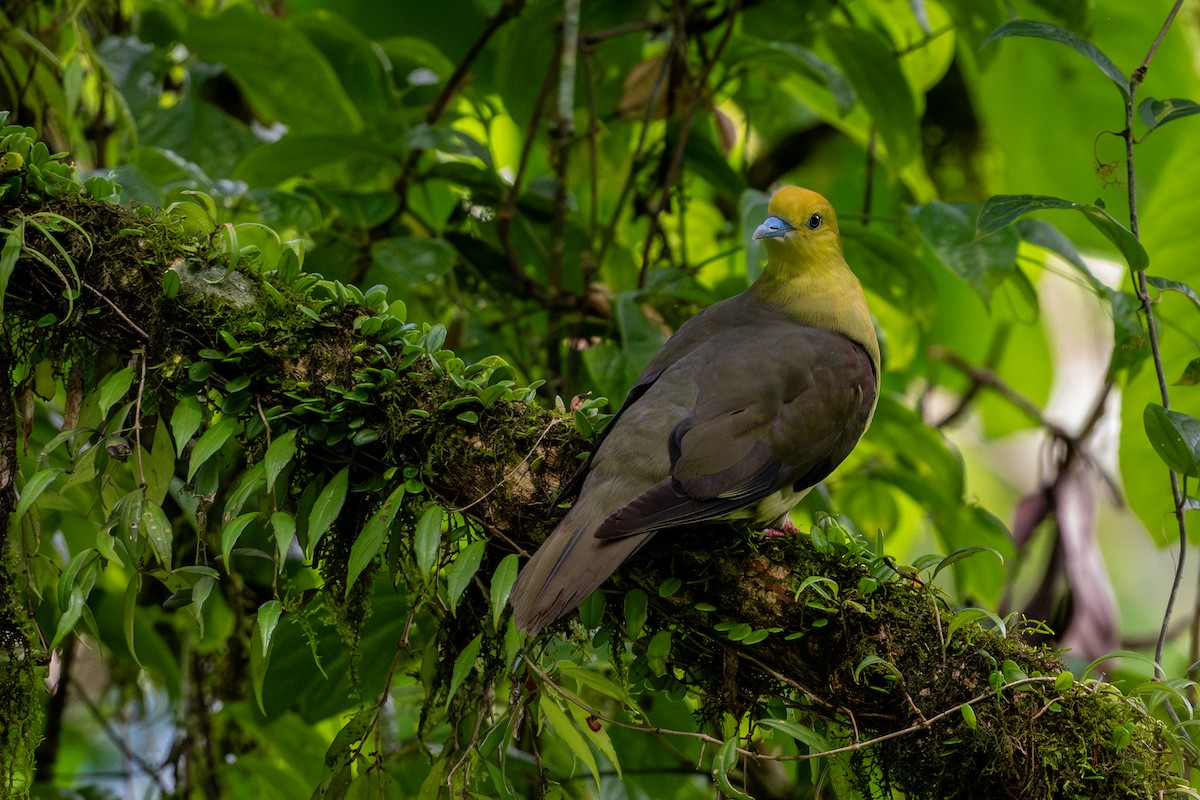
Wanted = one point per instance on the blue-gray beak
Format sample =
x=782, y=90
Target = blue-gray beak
x=772, y=227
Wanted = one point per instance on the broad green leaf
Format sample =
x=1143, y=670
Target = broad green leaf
x=33, y=489
x=657, y=652
x=1053, y=33
x=1004, y=209
x=724, y=760
x=868, y=62
x=502, y=583
x=595, y=734
x=8, y=262
x=427, y=540
x=280, y=453
x=370, y=538
x=114, y=387
x=465, y=565
x=464, y=663
x=326, y=509
x=185, y=421
x=1156, y=113
x=230, y=533
x=157, y=530
x=1175, y=437
x=636, y=604
x=269, y=75
x=200, y=595
x=968, y=715
x=569, y=734
x=261, y=643
x=80, y=571
x=283, y=525
x=70, y=616
x=211, y=442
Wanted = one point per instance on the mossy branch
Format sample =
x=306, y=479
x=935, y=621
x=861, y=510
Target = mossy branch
x=819, y=618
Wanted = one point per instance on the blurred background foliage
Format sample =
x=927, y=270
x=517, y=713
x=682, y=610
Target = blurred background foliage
x=561, y=183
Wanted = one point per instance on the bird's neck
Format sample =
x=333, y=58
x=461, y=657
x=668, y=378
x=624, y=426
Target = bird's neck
x=822, y=292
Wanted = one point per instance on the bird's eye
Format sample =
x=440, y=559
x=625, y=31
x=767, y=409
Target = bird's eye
x=814, y=222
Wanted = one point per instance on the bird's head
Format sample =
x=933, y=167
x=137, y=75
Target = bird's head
x=801, y=221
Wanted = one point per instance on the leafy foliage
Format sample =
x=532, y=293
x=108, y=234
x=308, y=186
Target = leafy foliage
x=292, y=505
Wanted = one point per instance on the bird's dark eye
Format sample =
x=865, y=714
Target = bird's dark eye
x=814, y=222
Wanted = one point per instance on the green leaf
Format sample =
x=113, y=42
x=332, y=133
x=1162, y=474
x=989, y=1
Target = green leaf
x=1053, y=33
x=1191, y=374
x=968, y=715
x=185, y=421
x=501, y=588
x=33, y=489
x=270, y=75
x=114, y=387
x=1168, y=285
x=157, y=530
x=283, y=525
x=636, y=605
x=464, y=663
x=463, y=570
x=370, y=538
x=801, y=733
x=965, y=552
x=868, y=62
x=200, y=594
x=746, y=49
x=725, y=759
x=70, y=616
x=968, y=616
x=873, y=660
x=265, y=624
x=569, y=734
x=231, y=532
x=326, y=509
x=1004, y=209
x=279, y=455
x=657, y=652
x=272, y=163
x=1175, y=437
x=211, y=442
x=8, y=262
x=427, y=540
x=1156, y=113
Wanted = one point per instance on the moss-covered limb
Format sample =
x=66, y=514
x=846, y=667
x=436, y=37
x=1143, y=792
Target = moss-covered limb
x=869, y=650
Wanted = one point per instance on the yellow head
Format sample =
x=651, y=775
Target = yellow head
x=802, y=226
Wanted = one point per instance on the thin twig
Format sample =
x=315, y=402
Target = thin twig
x=1139, y=279
x=512, y=472
x=144, y=336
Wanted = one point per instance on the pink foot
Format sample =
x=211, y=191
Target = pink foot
x=786, y=529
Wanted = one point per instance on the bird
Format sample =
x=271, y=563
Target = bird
x=748, y=405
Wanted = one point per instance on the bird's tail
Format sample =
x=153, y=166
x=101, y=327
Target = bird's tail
x=568, y=567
